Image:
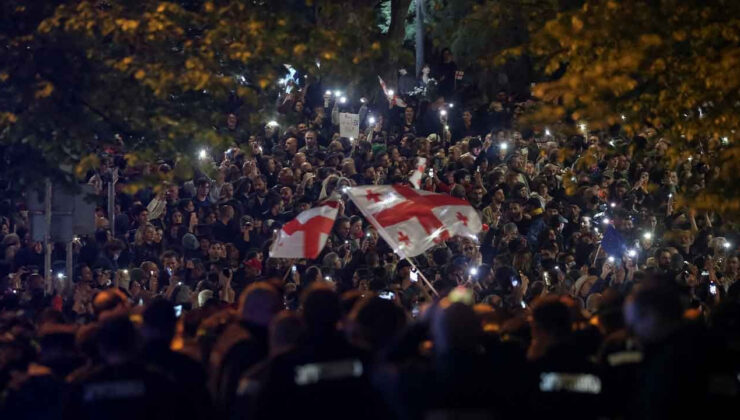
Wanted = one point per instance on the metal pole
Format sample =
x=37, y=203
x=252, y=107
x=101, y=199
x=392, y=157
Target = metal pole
x=47, y=237
x=419, y=36
x=112, y=201
x=70, y=267
x=429, y=285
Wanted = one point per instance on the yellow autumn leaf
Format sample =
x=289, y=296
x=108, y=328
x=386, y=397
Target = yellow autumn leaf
x=88, y=162
x=45, y=91
x=8, y=116
x=577, y=23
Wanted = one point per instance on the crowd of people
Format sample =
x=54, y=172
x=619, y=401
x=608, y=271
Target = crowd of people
x=176, y=309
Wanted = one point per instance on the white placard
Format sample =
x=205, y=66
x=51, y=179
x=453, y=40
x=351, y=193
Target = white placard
x=349, y=125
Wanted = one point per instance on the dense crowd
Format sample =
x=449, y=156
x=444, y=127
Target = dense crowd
x=176, y=309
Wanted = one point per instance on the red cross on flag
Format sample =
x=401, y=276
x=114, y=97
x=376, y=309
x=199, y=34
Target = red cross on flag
x=305, y=236
x=412, y=221
x=415, y=178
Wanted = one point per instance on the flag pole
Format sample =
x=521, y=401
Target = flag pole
x=420, y=274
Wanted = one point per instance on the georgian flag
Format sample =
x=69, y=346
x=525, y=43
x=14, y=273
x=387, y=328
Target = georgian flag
x=306, y=235
x=393, y=99
x=412, y=221
x=415, y=178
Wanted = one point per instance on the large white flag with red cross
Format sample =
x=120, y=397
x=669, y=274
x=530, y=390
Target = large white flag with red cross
x=306, y=235
x=412, y=221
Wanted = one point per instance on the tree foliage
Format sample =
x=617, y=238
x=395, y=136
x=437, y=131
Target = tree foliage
x=478, y=32
x=673, y=65
x=160, y=76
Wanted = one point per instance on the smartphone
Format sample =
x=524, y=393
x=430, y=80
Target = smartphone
x=294, y=269
x=713, y=289
x=414, y=276
x=386, y=294
x=178, y=310
x=169, y=271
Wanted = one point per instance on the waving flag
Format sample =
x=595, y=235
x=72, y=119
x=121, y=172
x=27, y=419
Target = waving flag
x=418, y=173
x=305, y=236
x=412, y=221
x=393, y=99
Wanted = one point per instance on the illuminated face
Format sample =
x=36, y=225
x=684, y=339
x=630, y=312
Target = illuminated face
x=467, y=117
x=343, y=229
x=311, y=139
x=409, y=113
x=231, y=121
x=149, y=234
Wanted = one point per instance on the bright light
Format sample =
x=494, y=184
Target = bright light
x=547, y=132
x=670, y=195
x=342, y=100
x=337, y=93
x=443, y=112
x=624, y=118
x=727, y=245
x=503, y=146
x=451, y=105
x=318, y=64
x=583, y=127
x=690, y=158
x=605, y=221
x=647, y=235
x=60, y=275
x=611, y=259
x=725, y=140
x=612, y=205
x=363, y=100
x=202, y=154
x=391, y=92
x=272, y=124
x=473, y=271
x=371, y=120
x=327, y=278
x=328, y=92
x=351, y=139
x=632, y=253
x=447, y=127
x=345, y=190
